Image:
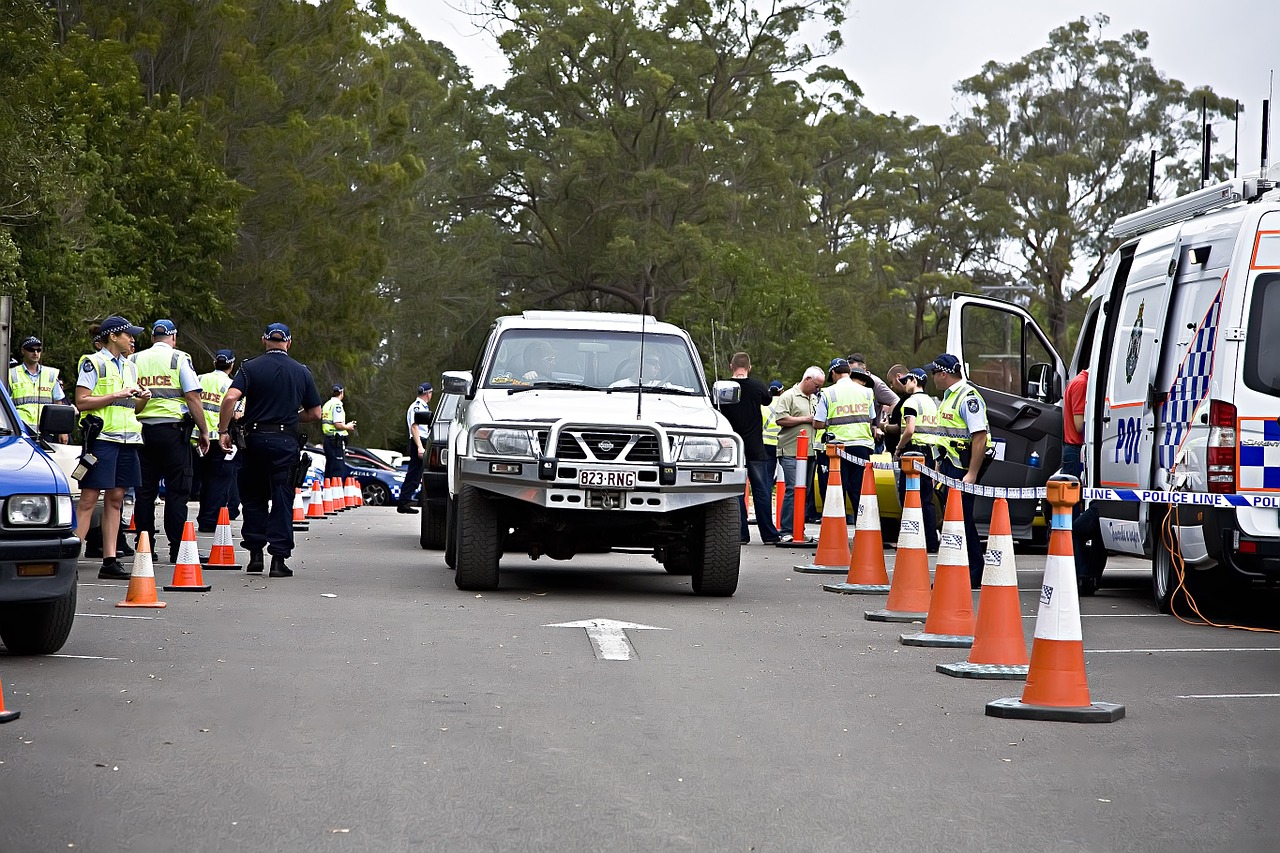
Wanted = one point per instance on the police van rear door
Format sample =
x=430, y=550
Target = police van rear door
x=1010, y=360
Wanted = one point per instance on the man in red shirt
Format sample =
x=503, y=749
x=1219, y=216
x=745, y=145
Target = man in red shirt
x=1073, y=423
x=1090, y=553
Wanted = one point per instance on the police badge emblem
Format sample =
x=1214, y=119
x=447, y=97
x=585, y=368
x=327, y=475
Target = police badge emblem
x=973, y=405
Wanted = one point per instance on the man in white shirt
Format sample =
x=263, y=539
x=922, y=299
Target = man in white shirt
x=419, y=444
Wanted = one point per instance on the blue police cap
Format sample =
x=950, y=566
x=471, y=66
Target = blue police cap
x=164, y=327
x=224, y=356
x=424, y=387
x=917, y=373
x=115, y=324
x=945, y=363
x=277, y=332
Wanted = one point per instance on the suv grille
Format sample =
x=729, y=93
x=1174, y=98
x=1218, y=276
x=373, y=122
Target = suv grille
x=633, y=447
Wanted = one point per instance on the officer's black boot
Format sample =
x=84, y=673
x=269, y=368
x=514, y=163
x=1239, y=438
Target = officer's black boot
x=279, y=569
x=255, y=561
x=122, y=545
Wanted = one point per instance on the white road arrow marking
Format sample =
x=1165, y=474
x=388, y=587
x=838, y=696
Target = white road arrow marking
x=608, y=636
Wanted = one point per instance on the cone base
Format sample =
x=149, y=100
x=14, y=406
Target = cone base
x=815, y=569
x=894, y=616
x=9, y=716
x=857, y=588
x=187, y=588
x=937, y=641
x=221, y=567
x=155, y=605
x=1013, y=709
x=964, y=669
x=811, y=544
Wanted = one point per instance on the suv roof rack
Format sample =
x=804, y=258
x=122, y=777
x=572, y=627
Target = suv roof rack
x=1189, y=206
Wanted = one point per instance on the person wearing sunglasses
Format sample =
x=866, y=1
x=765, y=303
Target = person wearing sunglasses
x=34, y=386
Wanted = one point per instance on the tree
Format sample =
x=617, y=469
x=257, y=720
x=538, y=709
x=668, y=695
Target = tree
x=1072, y=125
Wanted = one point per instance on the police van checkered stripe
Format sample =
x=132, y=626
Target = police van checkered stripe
x=1191, y=385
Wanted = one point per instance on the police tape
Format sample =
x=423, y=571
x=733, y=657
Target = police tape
x=1152, y=496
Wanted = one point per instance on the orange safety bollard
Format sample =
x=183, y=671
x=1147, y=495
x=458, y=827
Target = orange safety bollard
x=999, y=647
x=187, y=576
x=833, y=536
x=910, y=591
x=867, y=572
x=779, y=492
x=950, y=620
x=798, y=539
x=1057, y=689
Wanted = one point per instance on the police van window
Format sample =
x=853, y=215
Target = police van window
x=1262, y=349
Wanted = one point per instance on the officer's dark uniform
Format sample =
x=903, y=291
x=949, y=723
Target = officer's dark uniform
x=275, y=387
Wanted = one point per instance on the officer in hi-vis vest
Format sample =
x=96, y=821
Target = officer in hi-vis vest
x=919, y=435
x=845, y=414
x=108, y=388
x=166, y=425
x=34, y=386
x=336, y=427
x=962, y=443
x=216, y=467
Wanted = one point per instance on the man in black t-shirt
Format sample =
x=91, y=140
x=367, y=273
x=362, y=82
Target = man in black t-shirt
x=747, y=421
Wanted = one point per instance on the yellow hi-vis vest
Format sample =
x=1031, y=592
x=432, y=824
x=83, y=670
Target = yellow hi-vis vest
x=213, y=387
x=119, y=422
x=953, y=435
x=32, y=393
x=158, y=370
x=769, y=421
x=331, y=413
x=926, y=428
x=849, y=413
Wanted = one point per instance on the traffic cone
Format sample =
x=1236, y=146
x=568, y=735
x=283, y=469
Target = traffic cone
x=187, y=576
x=342, y=494
x=315, y=509
x=833, y=535
x=909, y=593
x=299, y=512
x=6, y=716
x=223, y=554
x=355, y=484
x=950, y=620
x=1057, y=688
x=798, y=538
x=142, y=581
x=352, y=488
x=999, y=647
x=326, y=496
x=867, y=574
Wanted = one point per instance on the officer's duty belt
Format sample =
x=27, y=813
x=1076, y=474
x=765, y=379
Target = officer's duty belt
x=269, y=428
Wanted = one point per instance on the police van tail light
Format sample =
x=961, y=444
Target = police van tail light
x=1222, y=447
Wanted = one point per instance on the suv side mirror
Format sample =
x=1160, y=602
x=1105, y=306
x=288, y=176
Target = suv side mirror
x=455, y=382
x=57, y=420
x=726, y=392
x=1042, y=384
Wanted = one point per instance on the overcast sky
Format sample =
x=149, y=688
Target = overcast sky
x=906, y=57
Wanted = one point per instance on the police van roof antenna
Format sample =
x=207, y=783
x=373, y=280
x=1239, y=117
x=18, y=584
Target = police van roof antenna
x=1151, y=179
x=644, y=315
x=1236, y=145
x=1204, y=150
x=715, y=362
x=1266, y=120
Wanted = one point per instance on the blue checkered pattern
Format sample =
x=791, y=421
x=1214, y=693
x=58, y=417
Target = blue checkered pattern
x=1190, y=386
x=1259, y=455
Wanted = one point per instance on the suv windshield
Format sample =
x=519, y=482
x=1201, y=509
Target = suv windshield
x=593, y=360
x=1262, y=352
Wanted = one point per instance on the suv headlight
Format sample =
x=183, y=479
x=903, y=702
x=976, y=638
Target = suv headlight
x=494, y=441
x=707, y=450
x=30, y=510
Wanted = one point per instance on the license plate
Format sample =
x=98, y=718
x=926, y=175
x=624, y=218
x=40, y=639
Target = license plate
x=593, y=479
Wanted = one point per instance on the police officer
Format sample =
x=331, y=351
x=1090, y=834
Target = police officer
x=108, y=387
x=919, y=434
x=419, y=441
x=845, y=414
x=216, y=466
x=335, y=427
x=281, y=394
x=962, y=430
x=166, y=424
x=33, y=385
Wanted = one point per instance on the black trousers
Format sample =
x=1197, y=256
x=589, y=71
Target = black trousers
x=165, y=455
x=412, y=477
x=972, y=542
x=927, y=508
x=335, y=456
x=216, y=475
x=266, y=490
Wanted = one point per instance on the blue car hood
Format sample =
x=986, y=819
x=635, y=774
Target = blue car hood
x=25, y=468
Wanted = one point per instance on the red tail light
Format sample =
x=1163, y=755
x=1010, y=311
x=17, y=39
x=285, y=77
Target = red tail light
x=433, y=460
x=1222, y=447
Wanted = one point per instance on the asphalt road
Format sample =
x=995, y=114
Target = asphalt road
x=368, y=705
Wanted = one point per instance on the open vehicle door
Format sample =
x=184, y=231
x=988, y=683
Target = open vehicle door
x=1010, y=361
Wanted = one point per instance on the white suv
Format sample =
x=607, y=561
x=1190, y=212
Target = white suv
x=585, y=432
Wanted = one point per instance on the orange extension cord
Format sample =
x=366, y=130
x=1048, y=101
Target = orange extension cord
x=1171, y=538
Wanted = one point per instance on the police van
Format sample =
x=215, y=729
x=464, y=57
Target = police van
x=1182, y=343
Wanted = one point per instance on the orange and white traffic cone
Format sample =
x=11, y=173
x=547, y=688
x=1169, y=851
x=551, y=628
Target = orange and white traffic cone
x=326, y=496
x=299, y=512
x=359, y=492
x=342, y=494
x=7, y=716
x=352, y=488
x=315, y=509
x=999, y=647
x=909, y=593
x=867, y=573
x=950, y=620
x=222, y=555
x=142, y=580
x=187, y=576
x=833, y=535
x=798, y=537
x=1057, y=688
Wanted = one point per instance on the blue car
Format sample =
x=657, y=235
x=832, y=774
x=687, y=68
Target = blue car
x=380, y=484
x=38, y=544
